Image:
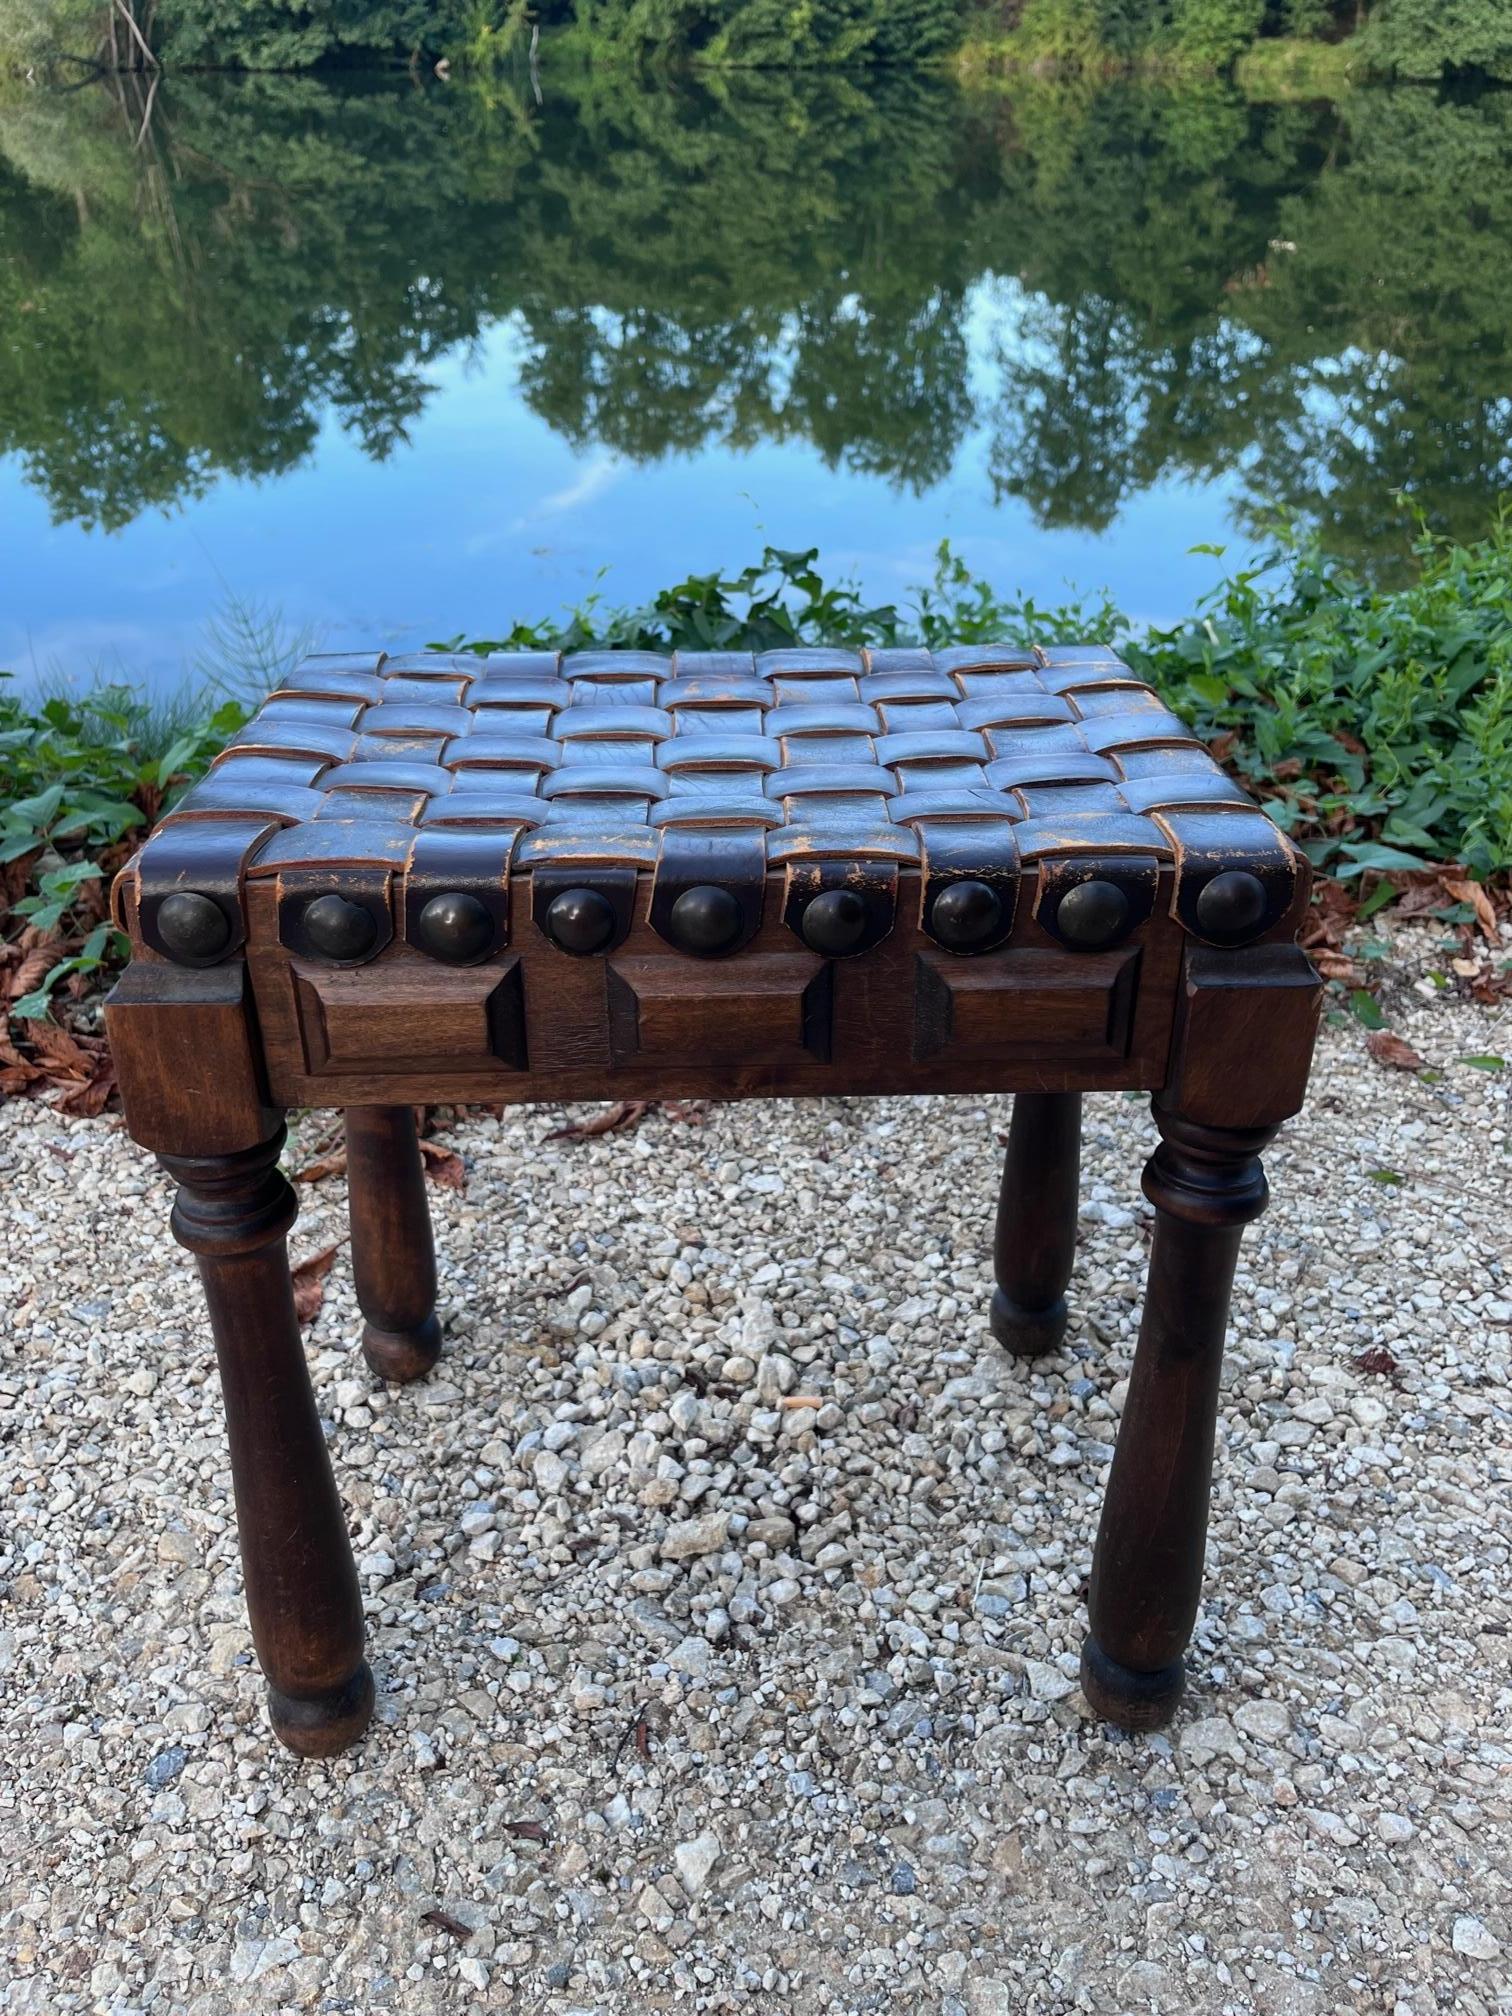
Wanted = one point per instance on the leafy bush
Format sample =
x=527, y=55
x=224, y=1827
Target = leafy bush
x=1424, y=39
x=82, y=779
x=292, y=35
x=1213, y=32
x=1374, y=725
x=786, y=600
x=786, y=34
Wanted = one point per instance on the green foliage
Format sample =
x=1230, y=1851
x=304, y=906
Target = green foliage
x=785, y=34
x=493, y=33
x=1375, y=725
x=1424, y=39
x=1212, y=32
x=1287, y=67
x=1071, y=34
x=784, y=599
x=80, y=777
x=1420, y=39
x=43, y=36
x=264, y=34
x=296, y=34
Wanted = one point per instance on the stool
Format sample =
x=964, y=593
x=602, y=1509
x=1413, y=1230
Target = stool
x=618, y=875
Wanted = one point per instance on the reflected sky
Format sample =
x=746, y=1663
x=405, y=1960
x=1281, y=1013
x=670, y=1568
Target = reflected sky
x=488, y=515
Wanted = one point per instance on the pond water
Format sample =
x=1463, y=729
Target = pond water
x=398, y=362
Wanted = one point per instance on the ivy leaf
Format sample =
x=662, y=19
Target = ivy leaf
x=1367, y=1009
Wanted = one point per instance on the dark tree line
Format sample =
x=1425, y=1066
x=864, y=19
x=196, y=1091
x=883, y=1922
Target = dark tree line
x=1420, y=39
x=1417, y=39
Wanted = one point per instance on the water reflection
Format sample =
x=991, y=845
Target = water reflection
x=1313, y=302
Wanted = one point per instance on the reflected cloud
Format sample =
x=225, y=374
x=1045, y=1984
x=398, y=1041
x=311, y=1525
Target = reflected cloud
x=595, y=481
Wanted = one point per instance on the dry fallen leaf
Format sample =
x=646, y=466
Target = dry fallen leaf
x=88, y=1101
x=1392, y=1051
x=33, y=968
x=65, y=1057
x=1335, y=965
x=445, y=1922
x=309, y=1279
x=1378, y=1360
x=444, y=1165
x=1479, y=900
x=525, y=1830
x=692, y=1112
x=624, y=1113
x=321, y=1167
x=16, y=1072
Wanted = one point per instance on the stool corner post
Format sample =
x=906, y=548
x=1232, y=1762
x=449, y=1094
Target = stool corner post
x=1245, y=1032
x=189, y=1060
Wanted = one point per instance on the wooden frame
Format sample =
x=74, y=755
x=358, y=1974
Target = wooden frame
x=204, y=1087
x=997, y=871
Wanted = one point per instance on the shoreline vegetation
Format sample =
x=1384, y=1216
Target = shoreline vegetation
x=1375, y=725
x=1317, y=48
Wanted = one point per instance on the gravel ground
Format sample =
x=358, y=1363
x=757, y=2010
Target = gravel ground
x=689, y=1698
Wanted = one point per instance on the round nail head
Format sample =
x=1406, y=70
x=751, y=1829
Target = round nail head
x=193, y=926
x=1231, y=906
x=580, y=921
x=1092, y=915
x=456, y=927
x=338, y=928
x=965, y=915
x=705, y=919
x=834, y=922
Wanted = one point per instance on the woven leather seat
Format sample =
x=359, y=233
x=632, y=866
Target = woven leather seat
x=609, y=756
x=620, y=874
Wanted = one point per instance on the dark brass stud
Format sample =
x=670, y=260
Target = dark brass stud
x=193, y=926
x=455, y=927
x=1231, y=907
x=580, y=921
x=338, y=928
x=1092, y=915
x=705, y=919
x=834, y=922
x=965, y=915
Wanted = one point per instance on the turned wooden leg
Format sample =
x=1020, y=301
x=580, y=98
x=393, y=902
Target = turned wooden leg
x=1206, y=1184
x=393, y=1255
x=1035, y=1244
x=233, y=1212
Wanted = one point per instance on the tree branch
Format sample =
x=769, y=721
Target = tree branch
x=141, y=41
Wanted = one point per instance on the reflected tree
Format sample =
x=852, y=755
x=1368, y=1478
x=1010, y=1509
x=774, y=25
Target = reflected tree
x=1313, y=303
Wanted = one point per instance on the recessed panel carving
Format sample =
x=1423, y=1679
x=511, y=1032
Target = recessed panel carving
x=1023, y=1004
x=756, y=1010
x=392, y=1017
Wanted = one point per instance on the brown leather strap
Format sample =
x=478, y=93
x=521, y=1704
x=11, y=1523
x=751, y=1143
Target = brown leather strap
x=205, y=857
